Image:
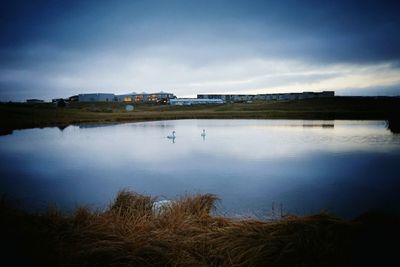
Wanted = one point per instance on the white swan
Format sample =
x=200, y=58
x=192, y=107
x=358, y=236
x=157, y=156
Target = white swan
x=162, y=206
x=172, y=136
x=204, y=133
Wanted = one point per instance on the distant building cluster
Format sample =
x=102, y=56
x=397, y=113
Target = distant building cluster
x=267, y=97
x=160, y=97
x=169, y=98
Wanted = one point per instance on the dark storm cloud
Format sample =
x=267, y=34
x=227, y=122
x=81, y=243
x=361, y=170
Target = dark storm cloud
x=321, y=30
x=54, y=38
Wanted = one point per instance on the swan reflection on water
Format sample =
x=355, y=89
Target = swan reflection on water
x=204, y=135
x=172, y=137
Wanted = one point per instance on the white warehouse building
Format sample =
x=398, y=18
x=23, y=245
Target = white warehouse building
x=194, y=101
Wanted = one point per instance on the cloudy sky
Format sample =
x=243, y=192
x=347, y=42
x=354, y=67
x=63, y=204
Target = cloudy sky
x=52, y=49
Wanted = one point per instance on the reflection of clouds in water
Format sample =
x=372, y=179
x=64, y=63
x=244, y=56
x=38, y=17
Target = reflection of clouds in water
x=248, y=164
x=237, y=139
x=258, y=140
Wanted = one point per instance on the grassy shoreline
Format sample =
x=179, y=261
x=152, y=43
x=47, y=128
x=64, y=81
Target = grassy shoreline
x=131, y=233
x=21, y=116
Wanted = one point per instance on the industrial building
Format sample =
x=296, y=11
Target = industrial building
x=194, y=101
x=97, y=97
x=267, y=97
x=34, y=101
x=160, y=97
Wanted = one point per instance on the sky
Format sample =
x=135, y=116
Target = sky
x=52, y=49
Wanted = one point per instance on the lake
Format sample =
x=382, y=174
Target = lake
x=258, y=168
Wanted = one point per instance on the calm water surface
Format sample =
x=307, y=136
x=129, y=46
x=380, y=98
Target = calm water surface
x=345, y=167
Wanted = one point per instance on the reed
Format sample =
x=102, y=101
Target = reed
x=130, y=232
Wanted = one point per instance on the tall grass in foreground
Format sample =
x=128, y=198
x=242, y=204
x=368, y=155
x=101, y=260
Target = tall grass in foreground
x=130, y=232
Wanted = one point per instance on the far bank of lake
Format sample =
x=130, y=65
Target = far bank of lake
x=21, y=115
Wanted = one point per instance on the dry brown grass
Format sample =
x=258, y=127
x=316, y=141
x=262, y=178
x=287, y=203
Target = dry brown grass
x=131, y=233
